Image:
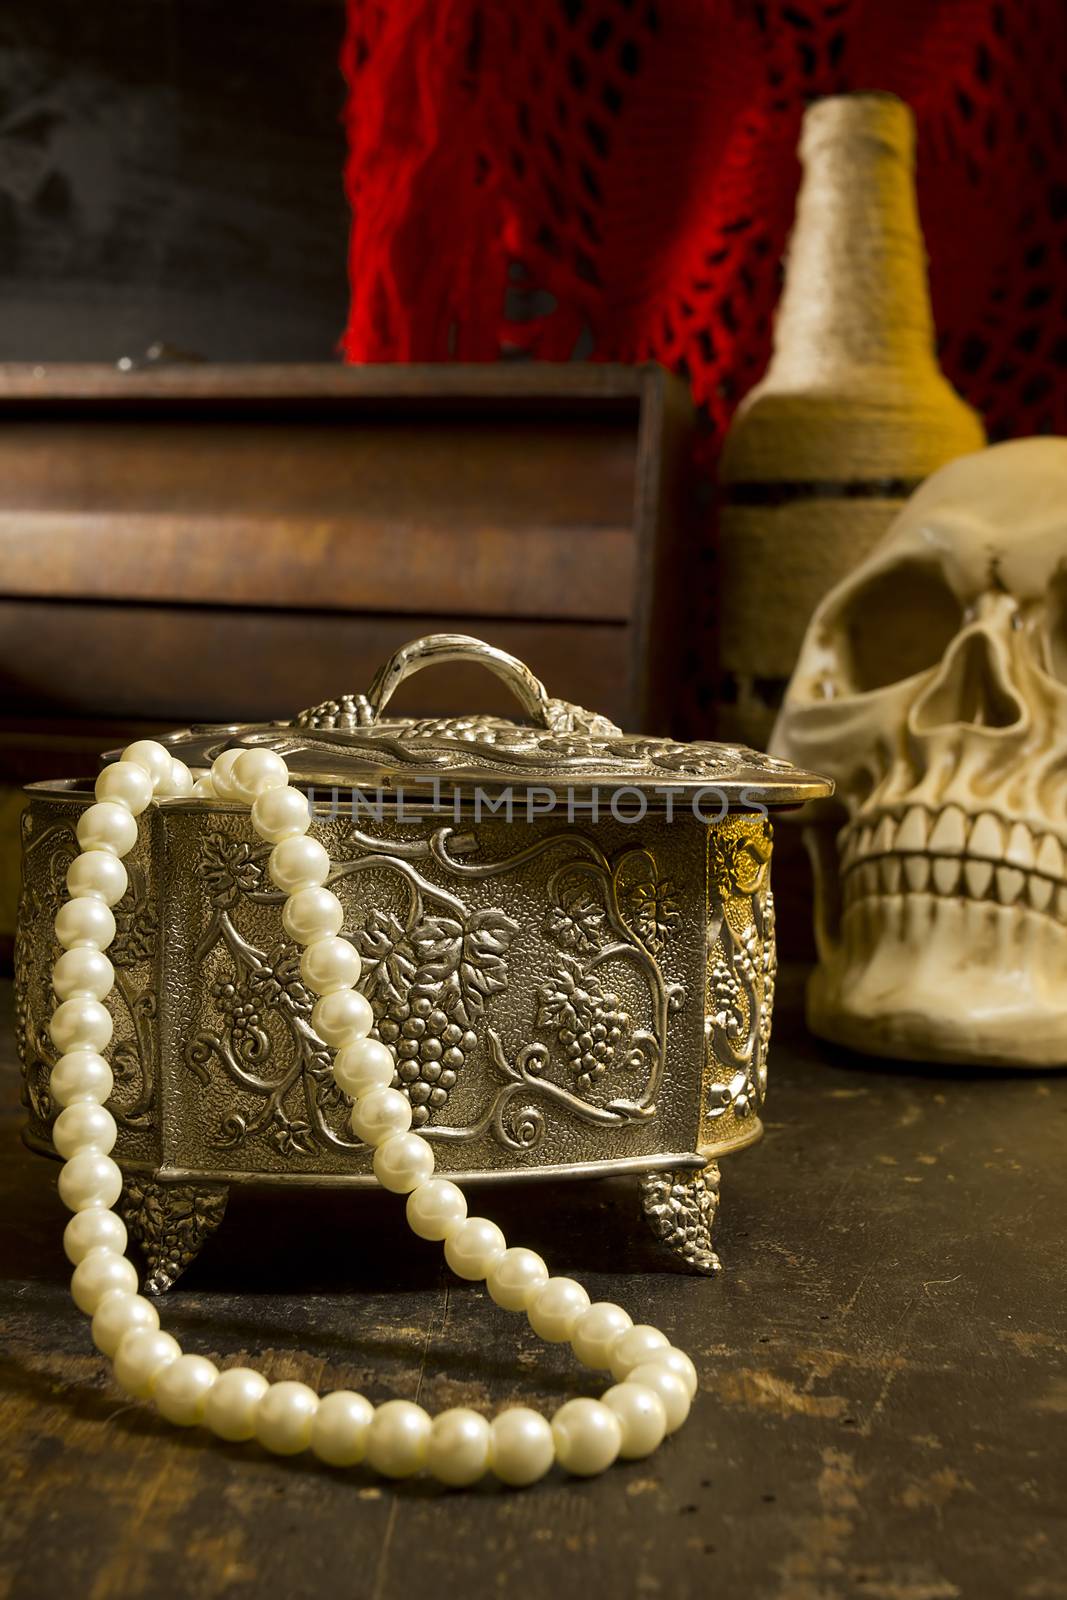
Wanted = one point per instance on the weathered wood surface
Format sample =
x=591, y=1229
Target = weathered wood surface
x=883, y=1362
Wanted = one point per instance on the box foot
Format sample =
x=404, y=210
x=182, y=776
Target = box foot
x=170, y=1222
x=680, y=1207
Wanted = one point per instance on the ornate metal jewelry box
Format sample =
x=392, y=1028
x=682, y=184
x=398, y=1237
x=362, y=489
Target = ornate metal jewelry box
x=567, y=933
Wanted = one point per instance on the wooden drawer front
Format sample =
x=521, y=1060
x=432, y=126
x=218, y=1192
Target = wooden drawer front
x=478, y=518
x=175, y=664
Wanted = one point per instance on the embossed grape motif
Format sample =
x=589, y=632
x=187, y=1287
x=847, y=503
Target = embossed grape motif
x=428, y=985
x=589, y=1024
x=432, y=972
x=585, y=1044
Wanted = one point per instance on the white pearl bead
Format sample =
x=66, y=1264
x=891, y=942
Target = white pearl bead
x=86, y=923
x=118, y=1314
x=554, y=1309
x=474, y=1246
x=80, y=1025
x=634, y=1347
x=222, y=778
x=671, y=1389
x=86, y=1126
x=398, y=1439
x=182, y=1388
x=402, y=1162
x=257, y=771
x=280, y=814
x=141, y=1357
x=596, y=1332
x=83, y=973
x=127, y=783
x=107, y=826
x=97, y=1275
x=93, y=1230
x=587, y=1435
x=204, y=789
x=642, y=1416
x=284, y=1417
x=379, y=1114
x=341, y=1017
x=521, y=1446
x=97, y=873
x=365, y=1065
x=330, y=964
x=513, y=1278
x=312, y=914
x=339, y=1432
x=678, y=1362
x=181, y=779
x=458, y=1452
x=155, y=758
x=89, y=1179
x=298, y=862
x=436, y=1209
x=231, y=1406
x=82, y=1075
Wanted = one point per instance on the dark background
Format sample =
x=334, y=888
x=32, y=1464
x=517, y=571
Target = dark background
x=170, y=170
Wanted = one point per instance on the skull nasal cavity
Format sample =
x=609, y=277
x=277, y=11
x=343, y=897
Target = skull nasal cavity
x=969, y=688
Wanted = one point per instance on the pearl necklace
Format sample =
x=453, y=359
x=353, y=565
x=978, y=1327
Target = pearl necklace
x=655, y=1383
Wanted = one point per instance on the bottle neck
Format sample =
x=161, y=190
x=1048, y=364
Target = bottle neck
x=856, y=303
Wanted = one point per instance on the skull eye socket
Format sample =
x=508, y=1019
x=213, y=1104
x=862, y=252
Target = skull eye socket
x=897, y=624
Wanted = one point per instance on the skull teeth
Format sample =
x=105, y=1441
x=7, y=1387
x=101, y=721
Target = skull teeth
x=951, y=854
x=1050, y=857
x=914, y=831
x=1010, y=885
x=978, y=875
x=946, y=874
x=1020, y=851
x=950, y=833
x=987, y=838
x=1040, y=892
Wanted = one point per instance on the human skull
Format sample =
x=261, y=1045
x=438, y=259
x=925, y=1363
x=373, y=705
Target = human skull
x=932, y=687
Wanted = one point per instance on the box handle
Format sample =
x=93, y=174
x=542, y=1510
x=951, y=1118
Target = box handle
x=436, y=648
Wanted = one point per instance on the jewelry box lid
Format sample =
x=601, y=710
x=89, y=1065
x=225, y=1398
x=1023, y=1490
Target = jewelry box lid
x=348, y=743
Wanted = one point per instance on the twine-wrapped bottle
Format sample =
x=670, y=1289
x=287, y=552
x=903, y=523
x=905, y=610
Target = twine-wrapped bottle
x=852, y=414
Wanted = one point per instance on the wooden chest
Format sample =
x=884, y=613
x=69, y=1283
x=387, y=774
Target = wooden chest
x=280, y=530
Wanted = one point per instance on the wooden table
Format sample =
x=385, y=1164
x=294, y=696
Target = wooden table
x=882, y=1357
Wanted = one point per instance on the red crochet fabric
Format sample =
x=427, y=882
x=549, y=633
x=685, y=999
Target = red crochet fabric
x=616, y=179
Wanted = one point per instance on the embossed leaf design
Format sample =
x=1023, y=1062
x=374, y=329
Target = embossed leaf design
x=277, y=983
x=655, y=909
x=292, y=1138
x=328, y=1092
x=388, y=964
x=136, y=925
x=483, y=970
x=230, y=868
x=438, y=944
x=576, y=922
x=556, y=999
